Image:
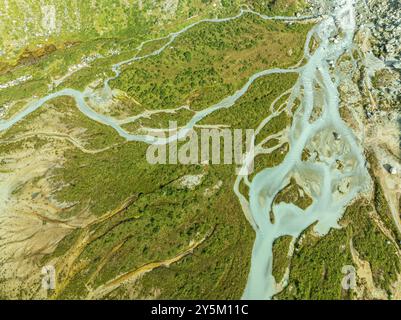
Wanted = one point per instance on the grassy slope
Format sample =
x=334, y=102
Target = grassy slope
x=317, y=262
x=58, y=53
x=24, y=21
x=162, y=218
x=200, y=73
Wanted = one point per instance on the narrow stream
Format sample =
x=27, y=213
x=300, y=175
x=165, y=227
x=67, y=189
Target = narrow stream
x=320, y=174
x=81, y=97
x=328, y=204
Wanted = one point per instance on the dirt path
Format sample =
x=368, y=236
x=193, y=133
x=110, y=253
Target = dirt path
x=59, y=136
x=134, y=275
x=365, y=273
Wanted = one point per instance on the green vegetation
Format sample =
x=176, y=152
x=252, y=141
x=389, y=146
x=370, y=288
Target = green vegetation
x=55, y=64
x=383, y=210
x=166, y=215
x=256, y=105
x=380, y=203
x=317, y=262
x=200, y=73
x=152, y=46
x=270, y=160
x=159, y=222
x=198, y=79
x=281, y=260
x=145, y=214
x=284, y=7
x=293, y=193
x=96, y=135
x=373, y=246
x=161, y=120
x=56, y=22
x=316, y=267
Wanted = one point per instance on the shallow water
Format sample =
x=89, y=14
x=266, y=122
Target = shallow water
x=80, y=97
x=327, y=206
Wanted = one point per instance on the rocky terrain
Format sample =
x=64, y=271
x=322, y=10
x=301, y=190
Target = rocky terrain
x=382, y=20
